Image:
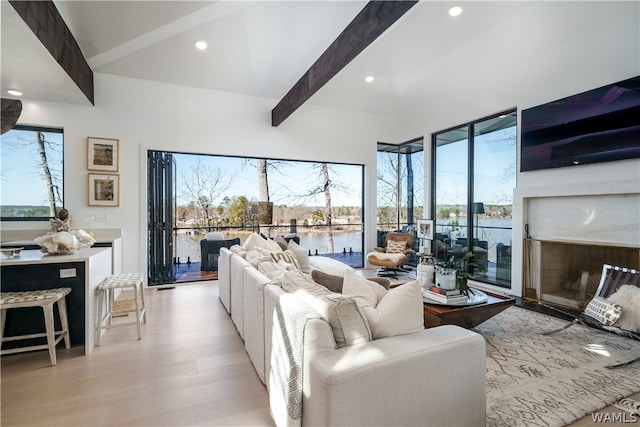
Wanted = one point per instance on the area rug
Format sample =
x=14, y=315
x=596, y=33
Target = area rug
x=539, y=380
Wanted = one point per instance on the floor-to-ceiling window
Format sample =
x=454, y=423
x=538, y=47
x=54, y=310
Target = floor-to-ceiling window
x=474, y=173
x=400, y=187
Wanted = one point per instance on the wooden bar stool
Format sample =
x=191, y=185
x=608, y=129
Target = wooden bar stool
x=44, y=298
x=120, y=281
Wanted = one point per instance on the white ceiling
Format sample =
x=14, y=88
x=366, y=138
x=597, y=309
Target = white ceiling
x=261, y=48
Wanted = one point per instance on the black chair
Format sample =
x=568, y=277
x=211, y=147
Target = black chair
x=210, y=252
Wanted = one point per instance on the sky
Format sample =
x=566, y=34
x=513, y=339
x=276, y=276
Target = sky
x=21, y=182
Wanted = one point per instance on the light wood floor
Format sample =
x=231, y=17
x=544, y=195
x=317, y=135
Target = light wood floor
x=189, y=369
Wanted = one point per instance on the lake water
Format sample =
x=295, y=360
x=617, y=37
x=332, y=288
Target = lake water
x=491, y=230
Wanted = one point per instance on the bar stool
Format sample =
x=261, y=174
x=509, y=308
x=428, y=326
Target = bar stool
x=120, y=281
x=44, y=298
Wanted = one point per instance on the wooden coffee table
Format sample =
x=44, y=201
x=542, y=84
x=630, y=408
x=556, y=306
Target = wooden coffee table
x=466, y=316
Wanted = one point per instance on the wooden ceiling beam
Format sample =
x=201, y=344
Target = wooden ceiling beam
x=371, y=22
x=43, y=18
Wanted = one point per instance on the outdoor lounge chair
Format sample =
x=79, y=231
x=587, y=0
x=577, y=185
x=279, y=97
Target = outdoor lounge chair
x=611, y=280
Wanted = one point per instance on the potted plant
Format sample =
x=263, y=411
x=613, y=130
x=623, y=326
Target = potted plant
x=454, y=274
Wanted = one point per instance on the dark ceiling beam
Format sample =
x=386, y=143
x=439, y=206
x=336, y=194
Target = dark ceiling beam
x=370, y=23
x=47, y=24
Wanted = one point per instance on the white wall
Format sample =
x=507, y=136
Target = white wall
x=147, y=115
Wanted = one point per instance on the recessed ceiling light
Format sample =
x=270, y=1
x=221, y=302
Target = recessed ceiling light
x=201, y=44
x=455, y=11
x=14, y=92
x=369, y=79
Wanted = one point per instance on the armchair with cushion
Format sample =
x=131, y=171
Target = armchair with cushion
x=394, y=255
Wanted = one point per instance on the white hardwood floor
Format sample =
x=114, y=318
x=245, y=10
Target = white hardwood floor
x=189, y=369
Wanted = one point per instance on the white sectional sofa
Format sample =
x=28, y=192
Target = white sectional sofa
x=431, y=377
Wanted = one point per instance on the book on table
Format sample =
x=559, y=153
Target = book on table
x=446, y=292
x=452, y=299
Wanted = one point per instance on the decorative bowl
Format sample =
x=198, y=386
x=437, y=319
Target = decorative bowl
x=11, y=252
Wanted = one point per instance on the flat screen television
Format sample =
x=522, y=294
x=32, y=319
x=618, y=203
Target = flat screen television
x=600, y=125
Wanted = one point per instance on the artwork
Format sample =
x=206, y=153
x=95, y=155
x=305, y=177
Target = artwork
x=104, y=190
x=102, y=154
x=425, y=229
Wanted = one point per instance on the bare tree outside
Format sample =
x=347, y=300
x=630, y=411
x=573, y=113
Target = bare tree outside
x=203, y=185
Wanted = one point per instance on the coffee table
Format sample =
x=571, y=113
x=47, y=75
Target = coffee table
x=466, y=316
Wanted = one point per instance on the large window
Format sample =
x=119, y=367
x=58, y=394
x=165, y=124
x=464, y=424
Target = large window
x=32, y=173
x=400, y=186
x=474, y=172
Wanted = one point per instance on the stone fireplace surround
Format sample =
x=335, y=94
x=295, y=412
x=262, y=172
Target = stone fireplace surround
x=573, y=228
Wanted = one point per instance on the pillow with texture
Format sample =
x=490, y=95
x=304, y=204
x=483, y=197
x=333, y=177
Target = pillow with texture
x=629, y=298
x=334, y=282
x=398, y=311
x=255, y=241
x=281, y=242
x=603, y=311
x=272, y=246
x=302, y=254
x=288, y=258
x=348, y=323
x=396, y=247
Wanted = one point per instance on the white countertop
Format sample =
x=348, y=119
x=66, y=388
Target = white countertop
x=37, y=257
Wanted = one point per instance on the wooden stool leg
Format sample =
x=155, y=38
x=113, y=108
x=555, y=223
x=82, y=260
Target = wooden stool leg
x=99, y=322
x=137, y=300
x=144, y=309
x=64, y=321
x=50, y=329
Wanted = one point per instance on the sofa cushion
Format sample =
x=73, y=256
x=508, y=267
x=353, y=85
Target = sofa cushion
x=397, y=311
x=334, y=282
x=287, y=259
x=255, y=241
x=302, y=254
x=328, y=265
x=348, y=323
x=281, y=242
x=272, y=246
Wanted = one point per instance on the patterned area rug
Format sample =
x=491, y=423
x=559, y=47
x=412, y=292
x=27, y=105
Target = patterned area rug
x=538, y=380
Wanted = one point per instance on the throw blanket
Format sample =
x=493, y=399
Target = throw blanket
x=285, y=378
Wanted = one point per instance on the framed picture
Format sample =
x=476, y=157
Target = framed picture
x=425, y=229
x=102, y=154
x=104, y=190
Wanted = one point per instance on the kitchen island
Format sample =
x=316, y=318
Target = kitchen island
x=82, y=272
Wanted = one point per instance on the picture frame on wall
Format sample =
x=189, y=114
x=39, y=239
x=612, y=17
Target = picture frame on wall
x=102, y=154
x=425, y=229
x=104, y=190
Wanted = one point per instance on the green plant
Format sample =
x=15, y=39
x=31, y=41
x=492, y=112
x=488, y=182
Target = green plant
x=461, y=266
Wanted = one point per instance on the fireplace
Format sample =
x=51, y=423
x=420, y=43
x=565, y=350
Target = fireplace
x=567, y=273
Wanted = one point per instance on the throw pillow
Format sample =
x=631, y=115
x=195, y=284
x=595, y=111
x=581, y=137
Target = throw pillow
x=302, y=255
x=272, y=245
x=334, y=282
x=281, y=242
x=396, y=246
x=347, y=321
x=603, y=311
x=629, y=298
x=288, y=258
x=255, y=241
x=397, y=311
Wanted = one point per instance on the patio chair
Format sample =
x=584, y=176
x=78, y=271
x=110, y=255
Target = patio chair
x=602, y=314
